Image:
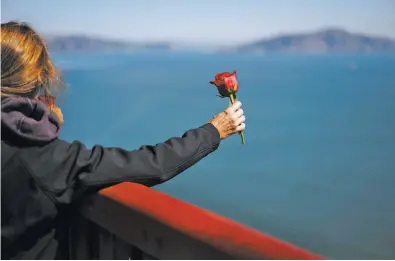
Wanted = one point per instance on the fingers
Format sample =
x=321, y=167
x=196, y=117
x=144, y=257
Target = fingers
x=241, y=127
x=234, y=107
x=240, y=120
x=231, y=121
x=238, y=113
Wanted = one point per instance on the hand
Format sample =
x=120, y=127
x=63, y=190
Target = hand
x=229, y=121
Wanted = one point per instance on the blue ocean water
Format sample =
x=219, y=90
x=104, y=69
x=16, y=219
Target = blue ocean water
x=318, y=169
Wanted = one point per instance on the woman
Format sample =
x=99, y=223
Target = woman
x=42, y=174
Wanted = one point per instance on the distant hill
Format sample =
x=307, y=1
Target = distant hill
x=78, y=43
x=324, y=41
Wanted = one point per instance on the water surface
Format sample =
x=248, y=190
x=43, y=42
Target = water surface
x=318, y=169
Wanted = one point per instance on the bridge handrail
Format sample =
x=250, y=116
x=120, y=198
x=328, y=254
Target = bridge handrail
x=165, y=227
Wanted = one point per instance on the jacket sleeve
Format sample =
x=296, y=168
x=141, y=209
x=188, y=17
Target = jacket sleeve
x=76, y=168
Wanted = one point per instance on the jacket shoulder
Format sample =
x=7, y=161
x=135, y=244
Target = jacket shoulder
x=52, y=164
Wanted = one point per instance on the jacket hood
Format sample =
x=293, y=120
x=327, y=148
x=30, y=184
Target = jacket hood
x=29, y=120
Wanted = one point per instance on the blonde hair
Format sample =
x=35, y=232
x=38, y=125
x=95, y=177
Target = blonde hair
x=26, y=66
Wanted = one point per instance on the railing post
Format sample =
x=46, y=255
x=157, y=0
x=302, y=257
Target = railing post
x=80, y=233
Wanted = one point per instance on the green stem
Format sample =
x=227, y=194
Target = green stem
x=233, y=98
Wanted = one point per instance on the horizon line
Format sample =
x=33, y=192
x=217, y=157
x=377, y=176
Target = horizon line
x=185, y=41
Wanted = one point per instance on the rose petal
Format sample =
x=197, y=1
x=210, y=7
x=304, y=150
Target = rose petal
x=231, y=83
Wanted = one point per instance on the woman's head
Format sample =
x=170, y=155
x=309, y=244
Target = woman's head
x=26, y=66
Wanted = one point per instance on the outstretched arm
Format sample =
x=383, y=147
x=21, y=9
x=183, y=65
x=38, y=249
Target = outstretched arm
x=149, y=165
x=71, y=169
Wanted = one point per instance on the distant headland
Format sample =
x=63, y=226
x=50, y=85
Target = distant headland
x=83, y=43
x=332, y=40
x=323, y=41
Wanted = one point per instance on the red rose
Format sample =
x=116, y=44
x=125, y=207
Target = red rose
x=227, y=86
x=226, y=83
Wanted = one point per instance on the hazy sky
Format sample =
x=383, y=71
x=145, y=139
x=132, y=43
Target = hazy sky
x=203, y=21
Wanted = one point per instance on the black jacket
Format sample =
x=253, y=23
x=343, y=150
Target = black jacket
x=42, y=175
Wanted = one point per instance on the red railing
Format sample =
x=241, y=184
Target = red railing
x=129, y=221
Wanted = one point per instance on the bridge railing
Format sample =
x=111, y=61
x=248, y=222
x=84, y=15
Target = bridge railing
x=131, y=221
